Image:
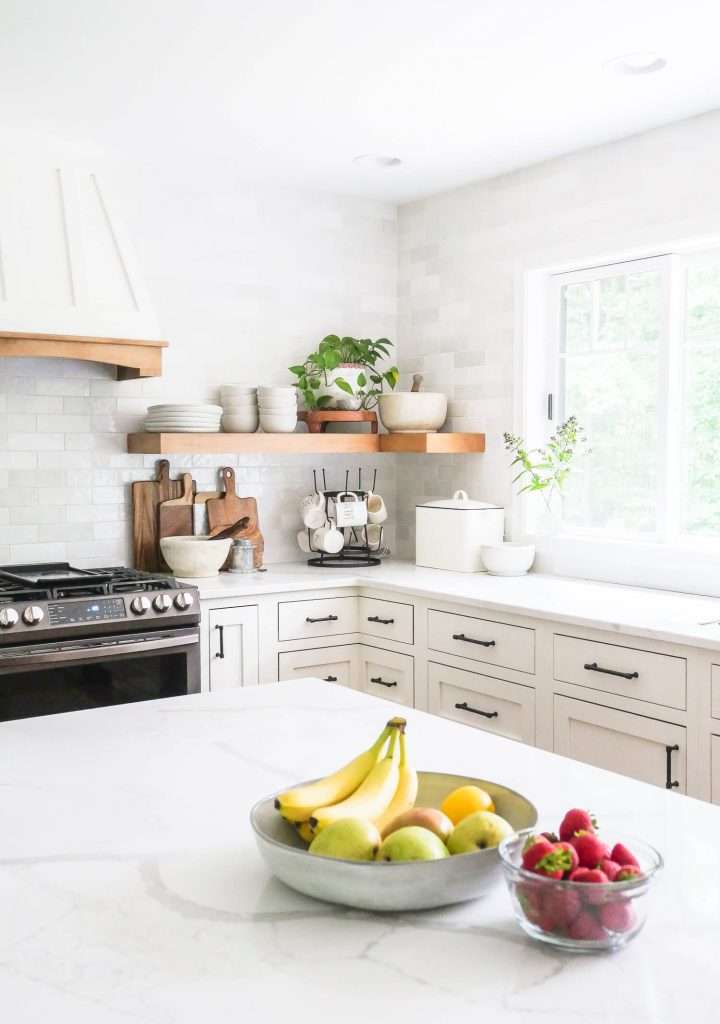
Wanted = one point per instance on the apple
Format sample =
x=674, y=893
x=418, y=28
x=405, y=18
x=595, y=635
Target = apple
x=347, y=839
x=479, y=831
x=412, y=843
x=424, y=817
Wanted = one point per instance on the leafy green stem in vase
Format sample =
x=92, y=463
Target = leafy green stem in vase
x=546, y=469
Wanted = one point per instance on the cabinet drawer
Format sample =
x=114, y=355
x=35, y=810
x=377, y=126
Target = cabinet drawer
x=387, y=619
x=656, y=678
x=326, y=616
x=715, y=692
x=333, y=664
x=506, y=709
x=386, y=674
x=715, y=769
x=482, y=640
x=643, y=748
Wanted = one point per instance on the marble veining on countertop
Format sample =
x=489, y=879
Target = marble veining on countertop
x=656, y=614
x=132, y=889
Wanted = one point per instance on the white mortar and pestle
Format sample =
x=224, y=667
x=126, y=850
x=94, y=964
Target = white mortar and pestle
x=414, y=411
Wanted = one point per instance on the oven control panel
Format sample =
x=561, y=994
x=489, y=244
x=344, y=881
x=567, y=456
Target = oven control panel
x=96, y=609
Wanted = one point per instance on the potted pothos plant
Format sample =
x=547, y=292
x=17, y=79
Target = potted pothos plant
x=343, y=373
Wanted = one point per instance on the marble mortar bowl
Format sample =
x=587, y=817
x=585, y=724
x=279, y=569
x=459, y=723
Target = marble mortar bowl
x=380, y=886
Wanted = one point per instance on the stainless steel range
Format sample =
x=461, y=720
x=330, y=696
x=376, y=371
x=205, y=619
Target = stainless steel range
x=72, y=639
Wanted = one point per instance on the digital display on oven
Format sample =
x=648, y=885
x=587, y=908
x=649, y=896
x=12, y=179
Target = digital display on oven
x=98, y=609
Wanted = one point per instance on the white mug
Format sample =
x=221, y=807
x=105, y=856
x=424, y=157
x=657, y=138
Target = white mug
x=350, y=509
x=328, y=539
x=312, y=510
x=377, y=511
x=303, y=541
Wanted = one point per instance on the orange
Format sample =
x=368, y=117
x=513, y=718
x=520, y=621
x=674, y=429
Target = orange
x=464, y=801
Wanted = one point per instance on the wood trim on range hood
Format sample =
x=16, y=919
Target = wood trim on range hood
x=132, y=357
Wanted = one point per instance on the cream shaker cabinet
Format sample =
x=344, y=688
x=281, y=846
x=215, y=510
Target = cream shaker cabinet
x=233, y=647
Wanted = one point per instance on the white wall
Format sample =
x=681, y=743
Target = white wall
x=464, y=254
x=245, y=283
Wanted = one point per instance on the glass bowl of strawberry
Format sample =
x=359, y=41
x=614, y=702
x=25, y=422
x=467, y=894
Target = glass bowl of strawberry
x=577, y=891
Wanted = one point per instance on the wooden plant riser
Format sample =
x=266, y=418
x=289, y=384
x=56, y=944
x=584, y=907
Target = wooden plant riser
x=318, y=419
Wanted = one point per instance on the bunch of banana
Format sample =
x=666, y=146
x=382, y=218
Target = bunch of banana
x=377, y=785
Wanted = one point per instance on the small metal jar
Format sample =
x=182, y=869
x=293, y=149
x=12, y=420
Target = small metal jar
x=242, y=556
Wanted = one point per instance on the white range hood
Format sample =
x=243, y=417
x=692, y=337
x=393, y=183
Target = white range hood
x=69, y=284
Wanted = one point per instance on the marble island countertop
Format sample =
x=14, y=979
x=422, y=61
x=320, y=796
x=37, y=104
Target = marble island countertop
x=132, y=890
x=656, y=614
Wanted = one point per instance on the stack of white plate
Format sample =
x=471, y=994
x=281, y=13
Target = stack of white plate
x=278, y=410
x=240, y=411
x=191, y=418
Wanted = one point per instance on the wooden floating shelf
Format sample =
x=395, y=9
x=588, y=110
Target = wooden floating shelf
x=132, y=357
x=304, y=444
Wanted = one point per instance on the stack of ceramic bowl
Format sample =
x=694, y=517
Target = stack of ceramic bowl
x=190, y=418
x=240, y=411
x=278, y=410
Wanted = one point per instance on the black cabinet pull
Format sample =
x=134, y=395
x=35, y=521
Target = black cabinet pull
x=469, y=640
x=380, y=681
x=221, y=637
x=383, y=622
x=327, y=618
x=594, y=667
x=476, y=711
x=330, y=679
x=669, y=784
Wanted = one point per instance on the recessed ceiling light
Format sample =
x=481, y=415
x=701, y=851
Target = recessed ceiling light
x=377, y=160
x=643, y=62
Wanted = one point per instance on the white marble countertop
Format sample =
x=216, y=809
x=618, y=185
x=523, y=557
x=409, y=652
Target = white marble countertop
x=656, y=614
x=132, y=890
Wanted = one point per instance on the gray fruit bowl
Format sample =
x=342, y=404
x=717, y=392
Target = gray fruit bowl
x=413, y=885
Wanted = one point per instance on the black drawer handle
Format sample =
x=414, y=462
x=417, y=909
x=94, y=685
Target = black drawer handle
x=476, y=711
x=469, y=640
x=594, y=667
x=380, y=681
x=669, y=784
x=330, y=679
x=327, y=618
x=221, y=637
x=383, y=622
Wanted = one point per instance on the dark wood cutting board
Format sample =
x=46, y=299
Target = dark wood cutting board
x=229, y=509
x=176, y=515
x=147, y=496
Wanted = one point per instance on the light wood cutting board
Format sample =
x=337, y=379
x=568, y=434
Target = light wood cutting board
x=147, y=496
x=229, y=509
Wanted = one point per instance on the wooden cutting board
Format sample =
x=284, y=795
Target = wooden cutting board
x=200, y=513
x=229, y=509
x=147, y=496
x=176, y=515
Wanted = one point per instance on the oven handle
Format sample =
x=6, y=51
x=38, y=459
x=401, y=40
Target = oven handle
x=99, y=653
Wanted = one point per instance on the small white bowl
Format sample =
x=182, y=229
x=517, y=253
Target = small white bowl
x=240, y=404
x=278, y=392
x=228, y=390
x=278, y=423
x=240, y=423
x=280, y=407
x=413, y=412
x=195, y=557
x=508, y=559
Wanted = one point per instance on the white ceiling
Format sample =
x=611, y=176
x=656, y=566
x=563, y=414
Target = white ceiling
x=292, y=90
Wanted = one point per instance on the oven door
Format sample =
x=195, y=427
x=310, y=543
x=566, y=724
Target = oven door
x=46, y=679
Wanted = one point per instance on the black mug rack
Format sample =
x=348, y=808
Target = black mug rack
x=357, y=554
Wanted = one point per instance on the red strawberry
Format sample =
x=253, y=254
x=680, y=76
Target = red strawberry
x=610, y=867
x=590, y=849
x=572, y=853
x=621, y=855
x=586, y=927
x=547, y=921
x=563, y=905
x=627, y=873
x=576, y=821
x=530, y=898
x=556, y=862
x=591, y=875
x=617, y=917
x=534, y=850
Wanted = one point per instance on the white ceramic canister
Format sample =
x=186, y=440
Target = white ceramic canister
x=449, y=533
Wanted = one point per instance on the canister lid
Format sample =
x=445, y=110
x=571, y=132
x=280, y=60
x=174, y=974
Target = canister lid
x=460, y=501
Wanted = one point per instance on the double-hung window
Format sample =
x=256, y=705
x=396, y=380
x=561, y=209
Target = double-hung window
x=634, y=354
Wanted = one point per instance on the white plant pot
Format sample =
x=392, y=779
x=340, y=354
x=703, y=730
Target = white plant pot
x=341, y=399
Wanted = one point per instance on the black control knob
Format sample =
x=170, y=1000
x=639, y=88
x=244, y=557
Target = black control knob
x=139, y=605
x=184, y=600
x=161, y=603
x=33, y=614
x=8, y=617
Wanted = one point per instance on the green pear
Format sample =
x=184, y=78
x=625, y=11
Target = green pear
x=479, y=831
x=347, y=839
x=424, y=817
x=412, y=843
